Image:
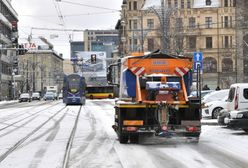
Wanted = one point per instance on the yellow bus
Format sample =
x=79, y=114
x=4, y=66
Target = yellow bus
x=100, y=92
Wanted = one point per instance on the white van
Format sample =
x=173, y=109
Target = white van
x=237, y=97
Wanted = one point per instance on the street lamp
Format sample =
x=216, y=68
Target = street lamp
x=123, y=38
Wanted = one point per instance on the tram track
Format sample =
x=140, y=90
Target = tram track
x=70, y=141
x=19, y=113
x=22, y=140
x=22, y=119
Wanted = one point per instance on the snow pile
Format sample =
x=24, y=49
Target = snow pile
x=202, y=4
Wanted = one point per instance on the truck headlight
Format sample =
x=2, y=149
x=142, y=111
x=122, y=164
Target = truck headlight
x=240, y=115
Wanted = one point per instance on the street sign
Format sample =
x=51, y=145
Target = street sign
x=198, y=57
x=196, y=64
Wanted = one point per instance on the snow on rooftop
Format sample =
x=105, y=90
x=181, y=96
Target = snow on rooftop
x=202, y=4
x=151, y=3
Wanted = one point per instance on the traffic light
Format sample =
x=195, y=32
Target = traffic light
x=21, y=50
x=93, y=58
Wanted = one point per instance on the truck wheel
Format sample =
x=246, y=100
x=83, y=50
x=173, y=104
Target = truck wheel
x=123, y=138
x=216, y=112
x=134, y=138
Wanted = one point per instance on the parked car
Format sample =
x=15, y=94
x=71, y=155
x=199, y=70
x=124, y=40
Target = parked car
x=215, y=95
x=24, y=97
x=49, y=96
x=60, y=96
x=238, y=119
x=203, y=93
x=237, y=100
x=213, y=108
x=221, y=116
x=36, y=96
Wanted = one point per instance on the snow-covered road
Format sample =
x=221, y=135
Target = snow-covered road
x=95, y=144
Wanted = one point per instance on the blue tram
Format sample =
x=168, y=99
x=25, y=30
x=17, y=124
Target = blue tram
x=74, y=87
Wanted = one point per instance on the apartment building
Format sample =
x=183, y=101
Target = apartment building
x=8, y=42
x=183, y=27
x=40, y=67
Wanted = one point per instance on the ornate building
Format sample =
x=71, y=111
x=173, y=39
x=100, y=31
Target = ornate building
x=183, y=27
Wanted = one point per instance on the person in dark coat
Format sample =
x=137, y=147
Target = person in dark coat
x=205, y=87
x=217, y=88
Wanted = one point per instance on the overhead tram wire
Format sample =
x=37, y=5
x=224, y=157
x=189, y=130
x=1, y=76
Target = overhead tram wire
x=91, y=6
x=71, y=15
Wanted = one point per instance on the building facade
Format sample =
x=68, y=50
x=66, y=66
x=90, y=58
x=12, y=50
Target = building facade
x=105, y=37
x=8, y=43
x=40, y=68
x=182, y=27
x=139, y=29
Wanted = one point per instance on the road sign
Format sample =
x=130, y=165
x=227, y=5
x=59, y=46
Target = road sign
x=198, y=57
x=196, y=65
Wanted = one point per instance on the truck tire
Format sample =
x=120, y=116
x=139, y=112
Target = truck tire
x=123, y=138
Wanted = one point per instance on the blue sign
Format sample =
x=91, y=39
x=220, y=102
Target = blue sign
x=198, y=57
x=196, y=64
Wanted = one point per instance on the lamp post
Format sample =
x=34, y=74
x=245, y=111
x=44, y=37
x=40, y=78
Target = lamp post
x=123, y=38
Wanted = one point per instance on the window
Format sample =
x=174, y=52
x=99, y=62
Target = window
x=231, y=94
x=176, y=3
x=192, y=42
x=130, y=24
x=209, y=43
x=245, y=93
x=226, y=21
x=234, y=3
x=150, y=44
x=226, y=42
x=227, y=65
x=135, y=24
x=230, y=21
x=182, y=4
x=135, y=44
x=209, y=65
x=225, y=3
x=135, y=5
x=130, y=5
x=208, y=22
x=150, y=23
x=179, y=24
x=188, y=4
x=169, y=3
x=191, y=22
x=208, y=2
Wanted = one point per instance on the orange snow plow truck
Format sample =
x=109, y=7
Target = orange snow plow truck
x=153, y=98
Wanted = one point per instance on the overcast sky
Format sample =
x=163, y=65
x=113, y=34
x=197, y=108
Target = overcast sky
x=77, y=14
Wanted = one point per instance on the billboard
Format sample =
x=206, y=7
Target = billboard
x=93, y=65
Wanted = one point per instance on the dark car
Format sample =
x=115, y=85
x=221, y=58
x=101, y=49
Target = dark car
x=49, y=96
x=24, y=97
x=222, y=115
x=237, y=119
